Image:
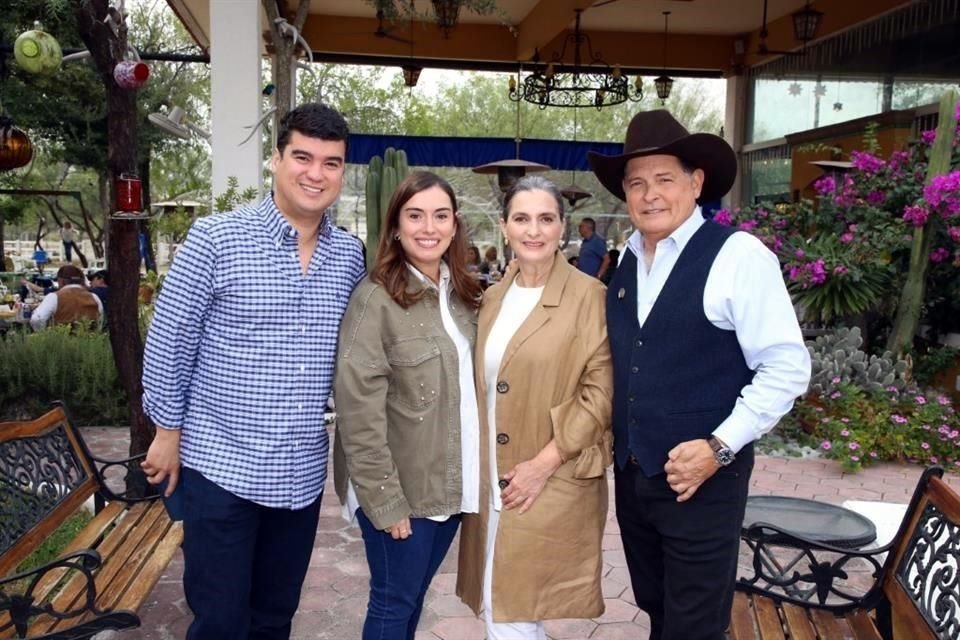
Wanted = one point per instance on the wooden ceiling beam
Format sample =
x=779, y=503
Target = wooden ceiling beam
x=547, y=20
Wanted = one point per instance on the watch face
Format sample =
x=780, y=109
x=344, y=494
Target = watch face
x=725, y=456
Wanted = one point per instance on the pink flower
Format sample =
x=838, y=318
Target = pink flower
x=826, y=446
x=825, y=185
x=748, y=225
x=954, y=233
x=944, y=400
x=939, y=255
x=920, y=400
x=874, y=454
x=876, y=197
x=866, y=162
x=846, y=238
x=854, y=446
x=898, y=418
x=835, y=395
x=799, y=254
x=845, y=420
x=916, y=215
x=855, y=458
x=927, y=137
x=934, y=460
x=723, y=217
x=844, y=433
x=836, y=380
x=924, y=445
x=840, y=270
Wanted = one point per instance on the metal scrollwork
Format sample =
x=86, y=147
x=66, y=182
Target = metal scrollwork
x=928, y=571
x=796, y=570
x=36, y=475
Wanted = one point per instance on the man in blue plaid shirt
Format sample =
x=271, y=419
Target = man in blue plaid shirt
x=237, y=371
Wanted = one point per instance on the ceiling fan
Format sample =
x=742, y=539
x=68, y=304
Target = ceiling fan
x=762, y=47
x=382, y=32
x=606, y=2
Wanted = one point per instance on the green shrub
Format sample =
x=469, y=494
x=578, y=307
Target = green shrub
x=858, y=427
x=60, y=363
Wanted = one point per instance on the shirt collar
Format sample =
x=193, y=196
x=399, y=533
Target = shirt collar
x=277, y=225
x=680, y=236
x=427, y=282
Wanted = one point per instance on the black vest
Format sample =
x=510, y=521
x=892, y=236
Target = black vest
x=677, y=377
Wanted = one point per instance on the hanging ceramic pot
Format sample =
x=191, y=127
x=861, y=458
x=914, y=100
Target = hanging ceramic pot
x=131, y=74
x=16, y=150
x=37, y=51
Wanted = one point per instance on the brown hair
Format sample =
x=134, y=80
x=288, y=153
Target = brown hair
x=490, y=255
x=390, y=266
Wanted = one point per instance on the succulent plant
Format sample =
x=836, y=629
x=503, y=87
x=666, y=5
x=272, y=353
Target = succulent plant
x=836, y=359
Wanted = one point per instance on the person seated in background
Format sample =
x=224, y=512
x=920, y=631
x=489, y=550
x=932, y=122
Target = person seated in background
x=100, y=287
x=490, y=268
x=70, y=303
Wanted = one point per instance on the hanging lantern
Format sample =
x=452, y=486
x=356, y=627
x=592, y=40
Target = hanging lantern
x=37, y=51
x=16, y=150
x=447, y=12
x=411, y=74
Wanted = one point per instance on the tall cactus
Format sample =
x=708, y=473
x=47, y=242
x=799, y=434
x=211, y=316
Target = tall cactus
x=911, y=297
x=383, y=176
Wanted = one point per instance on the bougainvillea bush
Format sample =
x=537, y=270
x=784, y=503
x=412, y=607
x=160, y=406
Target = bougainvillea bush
x=848, y=252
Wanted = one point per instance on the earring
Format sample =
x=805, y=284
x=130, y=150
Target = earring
x=396, y=236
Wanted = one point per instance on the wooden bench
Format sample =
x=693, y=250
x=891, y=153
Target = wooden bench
x=101, y=579
x=908, y=589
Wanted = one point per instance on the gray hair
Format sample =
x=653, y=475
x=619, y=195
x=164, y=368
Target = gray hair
x=532, y=183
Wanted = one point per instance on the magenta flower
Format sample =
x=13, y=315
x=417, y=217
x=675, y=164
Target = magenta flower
x=826, y=445
x=840, y=270
x=876, y=197
x=825, y=185
x=835, y=395
x=799, y=254
x=924, y=445
x=916, y=215
x=939, y=255
x=920, y=400
x=899, y=419
x=748, y=225
x=844, y=433
x=855, y=458
x=927, y=137
x=944, y=400
x=854, y=446
x=836, y=380
x=846, y=238
x=866, y=162
x=954, y=233
x=723, y=217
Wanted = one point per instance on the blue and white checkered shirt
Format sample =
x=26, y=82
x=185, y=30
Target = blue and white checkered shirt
x=241, y=352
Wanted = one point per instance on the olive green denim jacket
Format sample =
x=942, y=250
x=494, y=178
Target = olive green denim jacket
x=398, y=405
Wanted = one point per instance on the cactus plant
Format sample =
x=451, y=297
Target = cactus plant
x=837, y=359
x=383, y=176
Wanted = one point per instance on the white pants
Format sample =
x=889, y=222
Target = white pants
x=502, y=630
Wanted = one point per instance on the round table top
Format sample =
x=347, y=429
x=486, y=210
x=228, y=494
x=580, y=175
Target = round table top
x=819, y=521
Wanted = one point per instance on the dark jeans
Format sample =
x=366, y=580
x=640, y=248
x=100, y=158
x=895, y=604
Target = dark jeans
x=400, y=572
x=68, y=251
x=244, y=563
x=682, y=556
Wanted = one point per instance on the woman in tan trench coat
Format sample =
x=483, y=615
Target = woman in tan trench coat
x=544, y=381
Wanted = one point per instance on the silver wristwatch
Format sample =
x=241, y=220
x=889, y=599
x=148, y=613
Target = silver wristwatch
x=721, y=452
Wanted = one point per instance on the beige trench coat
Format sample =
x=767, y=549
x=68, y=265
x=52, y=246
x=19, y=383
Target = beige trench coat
x=555, y=382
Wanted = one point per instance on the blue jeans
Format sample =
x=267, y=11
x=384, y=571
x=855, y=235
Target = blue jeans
x=400, y=573
x=244, y=563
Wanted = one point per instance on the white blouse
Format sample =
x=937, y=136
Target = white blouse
x=518, y=303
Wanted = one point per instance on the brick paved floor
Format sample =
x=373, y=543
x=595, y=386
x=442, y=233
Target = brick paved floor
x=334, y=595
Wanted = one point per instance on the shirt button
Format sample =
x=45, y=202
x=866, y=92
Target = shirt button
x=303, y=368
x=300, y=405
x=632, y=398
x=634, y=369
x=503, y=484
x=502, y=387
x=639, y=343
x=502, y=438
x=421, y=418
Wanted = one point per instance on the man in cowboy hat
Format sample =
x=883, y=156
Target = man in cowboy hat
x=707, y=355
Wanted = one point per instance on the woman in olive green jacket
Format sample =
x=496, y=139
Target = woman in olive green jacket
x=406, y=459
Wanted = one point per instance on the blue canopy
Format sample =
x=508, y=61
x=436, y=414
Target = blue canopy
x=448, y=151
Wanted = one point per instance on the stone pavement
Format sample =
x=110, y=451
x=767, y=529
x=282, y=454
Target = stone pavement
x=335, y=592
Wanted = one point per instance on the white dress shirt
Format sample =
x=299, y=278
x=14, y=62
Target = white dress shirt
x=47, y=308
x=469, y=413
x=744, y=293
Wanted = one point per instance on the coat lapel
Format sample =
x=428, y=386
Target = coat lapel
x=541, y=314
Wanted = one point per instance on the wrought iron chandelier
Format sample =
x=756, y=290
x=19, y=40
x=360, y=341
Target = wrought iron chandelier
x=584, y=83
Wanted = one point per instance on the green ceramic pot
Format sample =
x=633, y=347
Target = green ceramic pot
x=37, y=52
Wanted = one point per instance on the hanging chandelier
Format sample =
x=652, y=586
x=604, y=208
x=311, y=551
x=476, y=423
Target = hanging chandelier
x=559, y=84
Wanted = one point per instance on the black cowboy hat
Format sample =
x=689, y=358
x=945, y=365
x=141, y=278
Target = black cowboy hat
x=657, y=132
